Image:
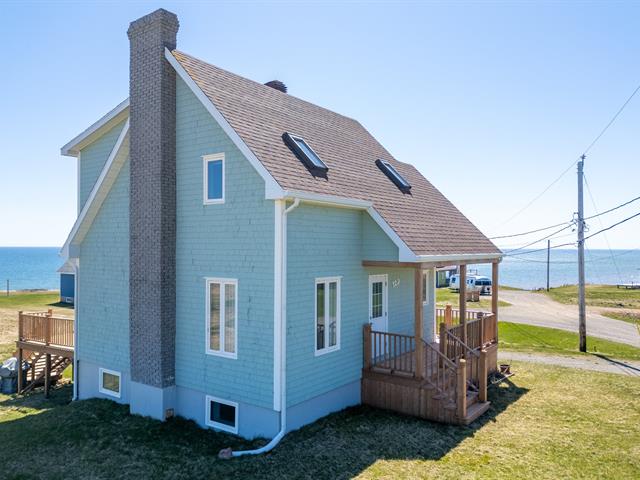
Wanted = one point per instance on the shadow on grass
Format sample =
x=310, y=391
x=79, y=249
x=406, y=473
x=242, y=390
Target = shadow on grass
x=111, y=443
x=67, y=306
x=630, y=369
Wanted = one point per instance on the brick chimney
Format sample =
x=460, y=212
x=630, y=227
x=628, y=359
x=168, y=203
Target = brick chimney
x=152, y=214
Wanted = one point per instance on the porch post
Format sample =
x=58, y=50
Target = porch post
x=494, y=294
x=463, y=301
x=419, y=322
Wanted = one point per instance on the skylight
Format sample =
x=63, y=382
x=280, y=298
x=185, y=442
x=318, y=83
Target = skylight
x=393, y=175
x=305, y=153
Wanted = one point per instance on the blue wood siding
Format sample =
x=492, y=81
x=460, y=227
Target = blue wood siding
x=103, y=297
x=326, y=242
x=230, y=240
x=93, y=158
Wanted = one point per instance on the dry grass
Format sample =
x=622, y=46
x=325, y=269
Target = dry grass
x=550, y=423
x=26, y=301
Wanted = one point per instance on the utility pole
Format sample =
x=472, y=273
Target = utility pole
x=548, y=258
x=582, y=313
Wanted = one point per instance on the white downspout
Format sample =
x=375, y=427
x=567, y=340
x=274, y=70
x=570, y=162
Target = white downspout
x=76, y=291
x=227, y=452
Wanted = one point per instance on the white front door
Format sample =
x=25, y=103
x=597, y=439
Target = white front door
x=378, y=317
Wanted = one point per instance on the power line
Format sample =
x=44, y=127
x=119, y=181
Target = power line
x=595, y=140
x=529, y=232
x=539, y=249
x=543, y=238
x=601, y=226
x=611, y=209
x=612, y=226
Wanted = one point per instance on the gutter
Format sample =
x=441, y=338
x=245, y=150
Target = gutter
x=76, y=296
x=282, y=330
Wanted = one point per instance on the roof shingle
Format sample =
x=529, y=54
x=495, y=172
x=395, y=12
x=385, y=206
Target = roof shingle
x=424, y=218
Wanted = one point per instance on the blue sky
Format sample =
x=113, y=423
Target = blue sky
x=491, y=101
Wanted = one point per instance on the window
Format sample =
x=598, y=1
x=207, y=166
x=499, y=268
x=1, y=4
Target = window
x=305, y=153
x=222, y=317
x=213, y=178
x=109, y=382
x=222, y=414
x=327, y=317
x=393, y=175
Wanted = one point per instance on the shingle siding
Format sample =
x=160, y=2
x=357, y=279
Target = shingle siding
x=230, y=240
x=103, y=297
x=327, y=242
x=93, y=158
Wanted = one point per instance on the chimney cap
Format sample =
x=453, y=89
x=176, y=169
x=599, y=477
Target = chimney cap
x=278, y=85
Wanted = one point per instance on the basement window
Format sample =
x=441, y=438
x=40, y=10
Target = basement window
x=109, y=382
x=393, y=175
x=305, y=153
x=222, y=414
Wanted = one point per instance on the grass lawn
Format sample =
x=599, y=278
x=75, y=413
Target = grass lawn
x=521, y=337
x=26, y=301
x=597, y=296
x=444, y=296
x=549, y=423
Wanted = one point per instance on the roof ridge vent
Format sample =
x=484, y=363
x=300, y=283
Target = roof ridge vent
x=278, y=85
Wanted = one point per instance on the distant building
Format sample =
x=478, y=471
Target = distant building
x=443, y=275
x=67, y=283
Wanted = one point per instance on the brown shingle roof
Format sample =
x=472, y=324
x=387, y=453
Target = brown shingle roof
x=425, y=220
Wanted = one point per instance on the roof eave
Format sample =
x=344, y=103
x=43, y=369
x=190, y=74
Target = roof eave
x=113, y=117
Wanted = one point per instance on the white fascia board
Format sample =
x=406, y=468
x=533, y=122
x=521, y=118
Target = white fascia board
x=119, y=113
x=272, y=189
x=463, y=257
x=99, y=192
x=405, y=254
x=321, y=199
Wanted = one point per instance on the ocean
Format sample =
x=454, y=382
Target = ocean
x=31, y=268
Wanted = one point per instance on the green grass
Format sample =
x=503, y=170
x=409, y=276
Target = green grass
x=444, y=296
x=597, y=296
x=521, y=337
x=549, y=423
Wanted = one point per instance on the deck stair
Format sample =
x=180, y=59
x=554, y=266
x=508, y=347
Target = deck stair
x=46, y=344
x=450, y=385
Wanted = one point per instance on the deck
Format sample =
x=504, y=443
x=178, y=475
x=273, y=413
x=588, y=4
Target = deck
x=444, y=381
x=46, y=343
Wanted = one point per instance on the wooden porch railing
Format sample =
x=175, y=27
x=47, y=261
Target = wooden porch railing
x=451, y=316
x=480, y=332
x=389, y=352
x=44, y=328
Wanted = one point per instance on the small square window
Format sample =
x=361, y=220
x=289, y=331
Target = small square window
x=109, y=382
x=222, y=414
x=213, y=173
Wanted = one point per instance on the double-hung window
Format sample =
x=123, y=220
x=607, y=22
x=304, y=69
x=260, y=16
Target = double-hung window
x=327, y=318
x=222, y=317
x=213, y=174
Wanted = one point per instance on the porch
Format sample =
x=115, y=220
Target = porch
x=442, y=379
x=46, y=344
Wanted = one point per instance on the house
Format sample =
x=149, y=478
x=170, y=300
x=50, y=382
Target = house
x=443, y=274
x=253, y=262
x=67, y=282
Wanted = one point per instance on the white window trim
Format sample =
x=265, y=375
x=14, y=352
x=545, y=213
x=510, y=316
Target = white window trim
x=336, y=347
x=220, y=426
x=205, y=184
x=105, y=391
x=209, y=350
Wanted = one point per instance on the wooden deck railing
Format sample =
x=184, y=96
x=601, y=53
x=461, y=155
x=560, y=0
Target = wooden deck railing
x=480, y=332
x=389, y=352
x=44, y=328
x=451, y=316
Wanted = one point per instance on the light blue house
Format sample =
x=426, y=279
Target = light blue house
x=232, y=242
